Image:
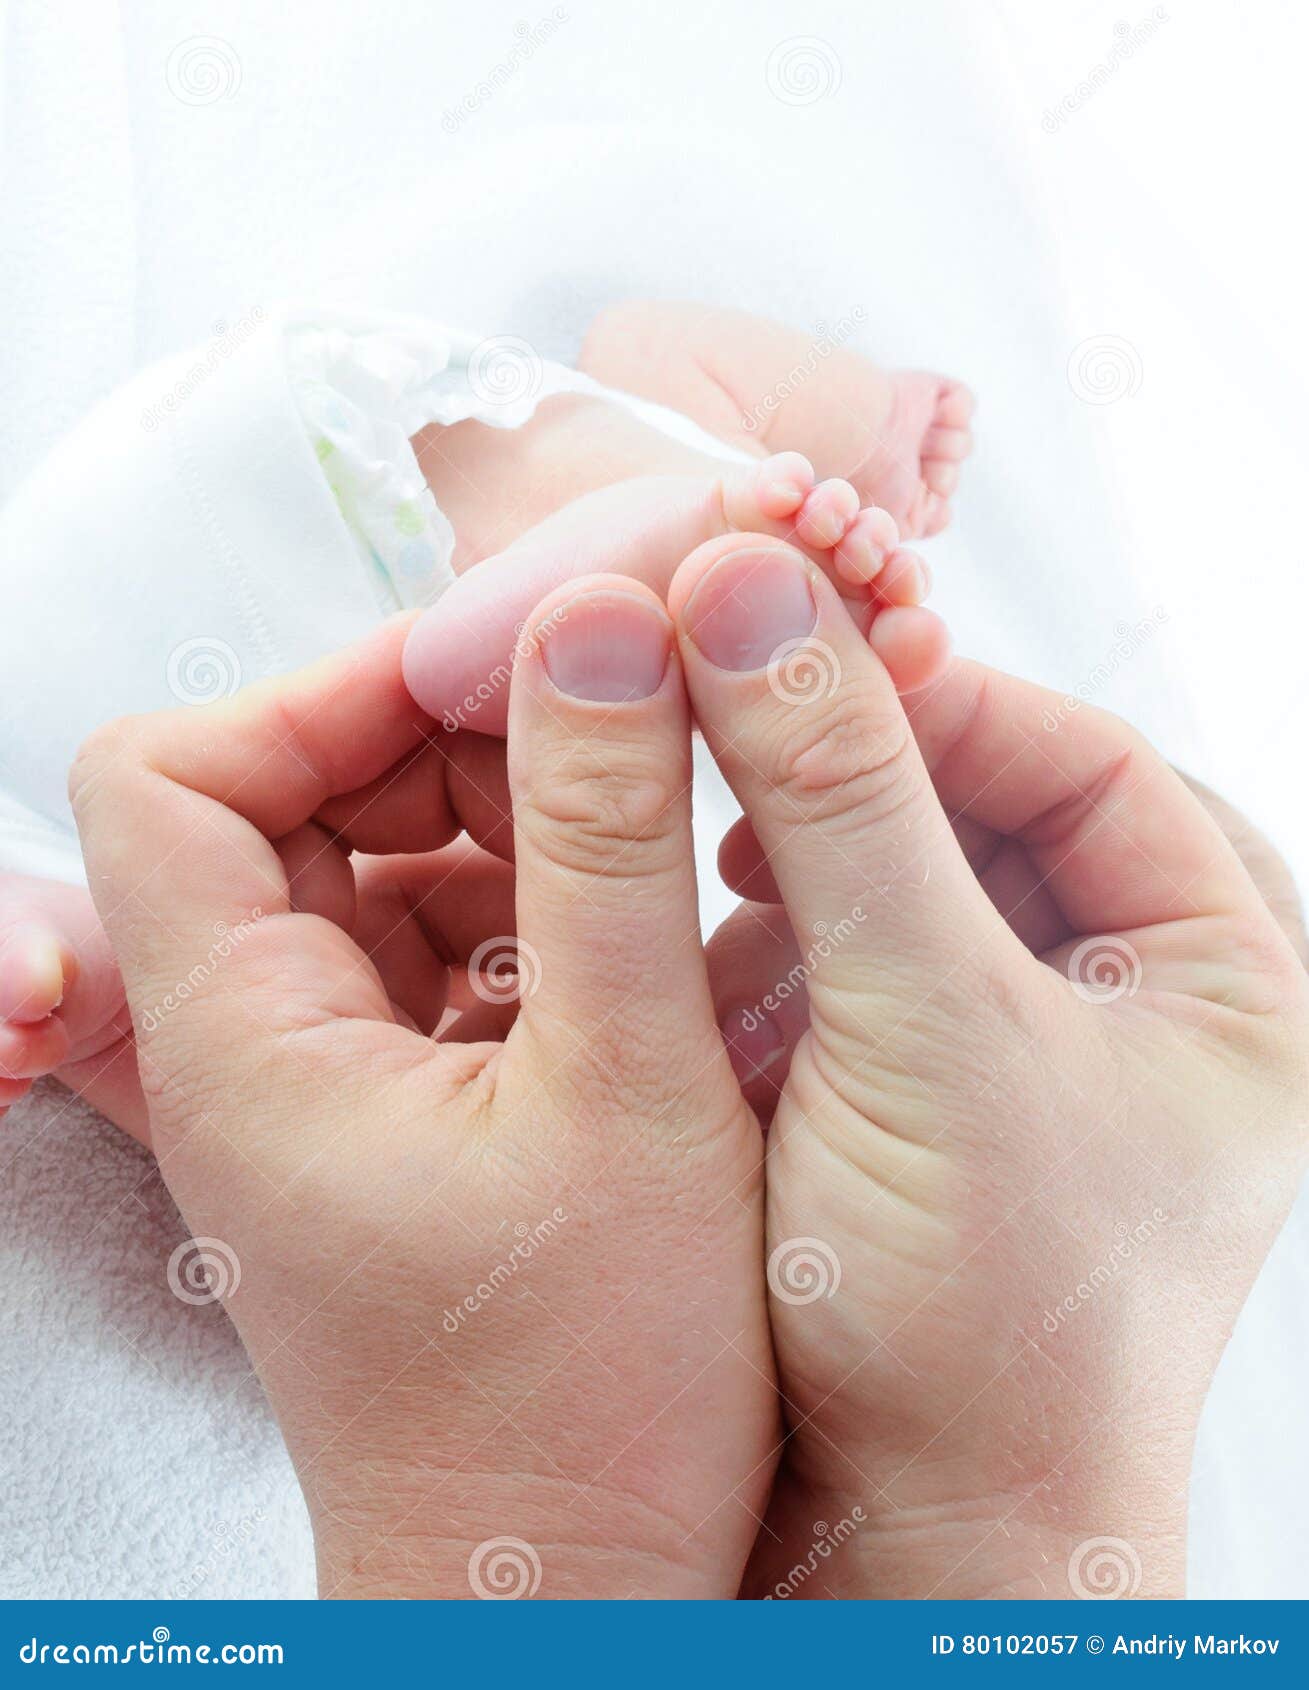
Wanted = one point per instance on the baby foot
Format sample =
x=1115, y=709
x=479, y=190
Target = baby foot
x=61, y=996
x=459, y=655
x=899, y=436
x=914, y=456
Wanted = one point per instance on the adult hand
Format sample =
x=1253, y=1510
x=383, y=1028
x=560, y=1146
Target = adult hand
x=495, y=1291
x=1044, y=1110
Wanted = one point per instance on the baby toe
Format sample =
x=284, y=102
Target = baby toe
x=905, y=579
x=31, y=974
x=782, y=484
x=865, y=545
x=27, y=1052
x=13, y=1091
x=940, y=477
x=826, y=514
x=935, y=514
x=955, y=406
x=949, y=444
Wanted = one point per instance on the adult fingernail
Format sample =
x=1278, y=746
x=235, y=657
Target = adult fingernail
x=754, y=1042
x=748, y=605
x=606, y=648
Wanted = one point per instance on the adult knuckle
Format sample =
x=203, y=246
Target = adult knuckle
x=842, y=760
x=108, y=751
x=593, y=813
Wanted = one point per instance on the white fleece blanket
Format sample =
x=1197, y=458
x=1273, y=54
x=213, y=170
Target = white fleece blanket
x=449, y=166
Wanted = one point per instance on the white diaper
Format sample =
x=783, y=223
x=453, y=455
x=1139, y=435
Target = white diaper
x=232, y=513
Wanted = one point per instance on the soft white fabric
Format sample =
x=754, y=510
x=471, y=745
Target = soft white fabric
x=367, y=165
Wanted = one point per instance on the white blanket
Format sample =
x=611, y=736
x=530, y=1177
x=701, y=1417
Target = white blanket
x=445, y=164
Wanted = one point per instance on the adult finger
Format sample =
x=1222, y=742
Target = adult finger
x=600, y=770
x=178, y=814
x=805, y=723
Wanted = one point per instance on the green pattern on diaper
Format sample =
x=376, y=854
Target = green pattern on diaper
x=408, y=518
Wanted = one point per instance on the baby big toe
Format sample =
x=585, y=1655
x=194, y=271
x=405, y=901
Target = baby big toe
x=31, y=974
x=27, y=1052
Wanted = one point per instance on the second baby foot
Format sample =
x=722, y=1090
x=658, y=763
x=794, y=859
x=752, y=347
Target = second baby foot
x=460, y=653
x=900, y=436
x=61, y=995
